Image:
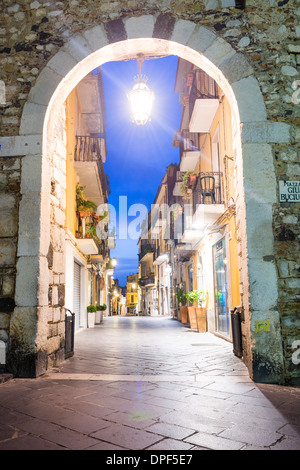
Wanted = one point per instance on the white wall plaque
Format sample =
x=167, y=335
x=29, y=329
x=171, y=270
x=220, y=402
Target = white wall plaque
x=289, y=191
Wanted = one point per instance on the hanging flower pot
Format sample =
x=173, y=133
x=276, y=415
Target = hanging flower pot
x=192, y=179
x=84, y=214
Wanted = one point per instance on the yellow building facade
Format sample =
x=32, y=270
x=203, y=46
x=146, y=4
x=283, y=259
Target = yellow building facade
x=87, y=250
x=207, y=151
x=132, y=294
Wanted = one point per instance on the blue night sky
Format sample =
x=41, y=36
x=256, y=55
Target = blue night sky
x=137, y=156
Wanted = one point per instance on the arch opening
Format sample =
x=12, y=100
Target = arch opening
x=52, y=221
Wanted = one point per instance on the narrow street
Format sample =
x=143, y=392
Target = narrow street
x=149, y=383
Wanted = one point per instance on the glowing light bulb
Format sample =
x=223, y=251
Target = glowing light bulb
x=140, y=98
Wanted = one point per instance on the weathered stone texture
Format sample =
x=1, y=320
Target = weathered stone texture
x=287, y=237
x=10, y=177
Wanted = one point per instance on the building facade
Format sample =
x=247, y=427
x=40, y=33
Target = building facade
x=86, y=232
x=148, y=296
x=205, y=254
x=132, y=294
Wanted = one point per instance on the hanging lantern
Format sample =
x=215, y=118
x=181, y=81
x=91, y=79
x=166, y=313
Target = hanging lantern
x=140, y=98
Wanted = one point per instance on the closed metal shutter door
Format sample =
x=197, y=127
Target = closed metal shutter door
x=76, y=293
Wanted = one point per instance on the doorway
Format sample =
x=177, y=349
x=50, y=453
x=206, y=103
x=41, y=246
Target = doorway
x=221, y=288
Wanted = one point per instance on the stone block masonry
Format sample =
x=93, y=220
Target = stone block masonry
x=10, y=180
x=257, y=50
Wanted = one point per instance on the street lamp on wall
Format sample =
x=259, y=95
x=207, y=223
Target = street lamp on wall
x=140, y=97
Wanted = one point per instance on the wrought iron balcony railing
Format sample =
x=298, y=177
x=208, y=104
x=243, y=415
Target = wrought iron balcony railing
x=208, y=189
x=203, y=87
x=189, y=141
x=147, y=280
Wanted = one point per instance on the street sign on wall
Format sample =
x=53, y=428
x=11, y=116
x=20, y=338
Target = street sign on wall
x=289, y=191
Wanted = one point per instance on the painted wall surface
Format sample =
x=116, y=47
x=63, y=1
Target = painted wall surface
x=71, y=128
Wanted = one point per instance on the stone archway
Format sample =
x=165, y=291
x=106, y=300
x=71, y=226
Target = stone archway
x=40, y=125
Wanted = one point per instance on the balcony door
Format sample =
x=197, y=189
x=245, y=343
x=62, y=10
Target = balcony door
x=221, y=288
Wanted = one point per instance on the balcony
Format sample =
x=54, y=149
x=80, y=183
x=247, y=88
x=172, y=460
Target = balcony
x=103, y=251
x=87, y=246
x=203, y=115
x=160, y=256
x=203, y=103
x=91, y=237
x=89, y=167
x=146, y=252
x=207, y=206
x=178, y=181
x=189, y=150
x=208, y=188
x=111, y=242
x=147, y=281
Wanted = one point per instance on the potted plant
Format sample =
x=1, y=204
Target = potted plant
x=200, y=298
x=104, y=307
x=91, y=311
x=99, y=314
x=79, y=192
x=90, y=231
x=191, y=309
x=183, y=310
x=192, y=178
x=188, y=181
x=86, y=208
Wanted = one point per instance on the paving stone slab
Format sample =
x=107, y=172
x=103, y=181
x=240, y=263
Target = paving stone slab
x=185, y=401
x=127, y=437
x=214, y=442
x=171, y=444
x=170, y=430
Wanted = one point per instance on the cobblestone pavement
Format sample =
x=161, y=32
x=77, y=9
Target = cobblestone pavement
x=139, y=383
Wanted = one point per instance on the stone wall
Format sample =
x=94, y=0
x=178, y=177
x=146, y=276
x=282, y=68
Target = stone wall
x=56, y=253
x=265, y=37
